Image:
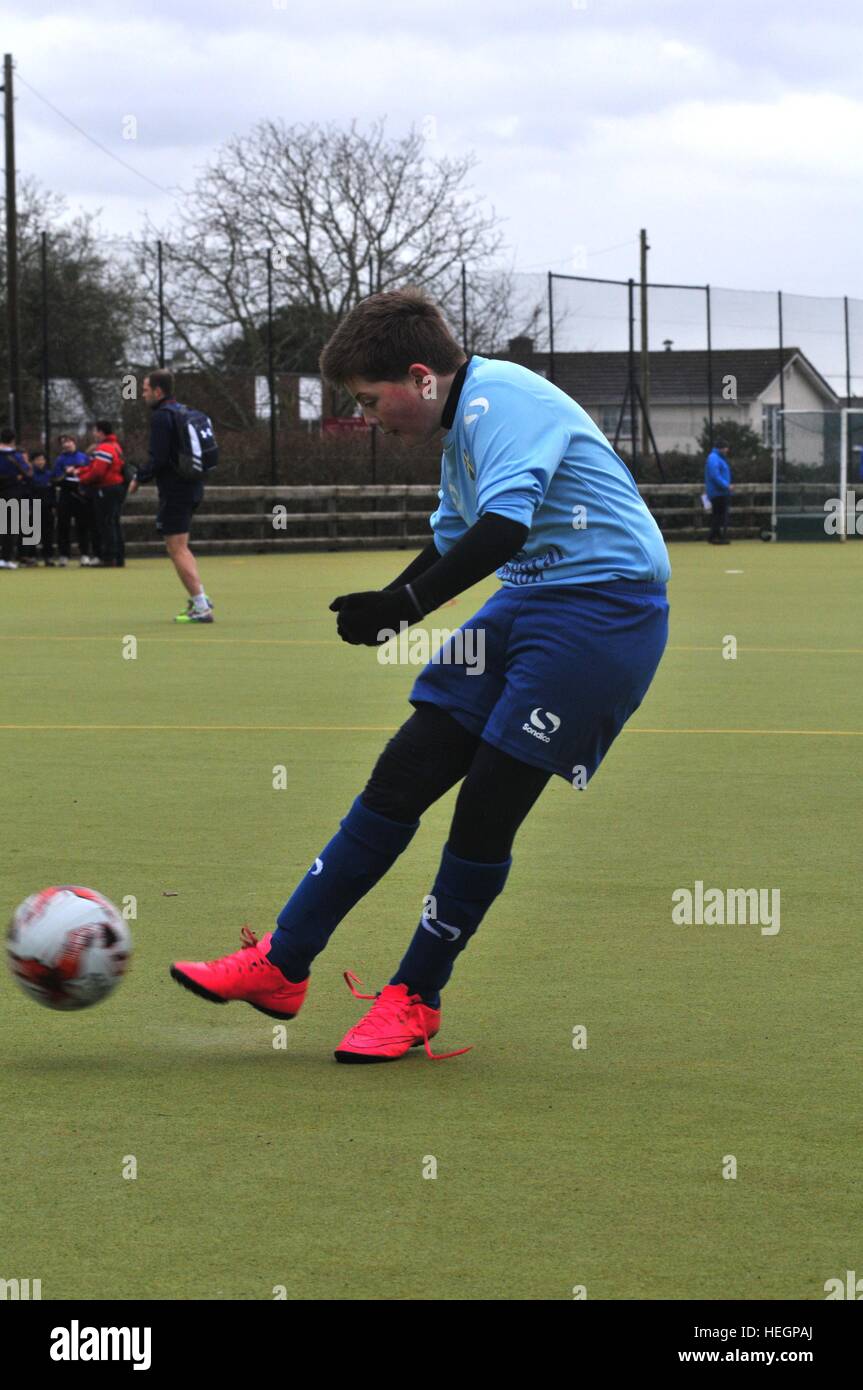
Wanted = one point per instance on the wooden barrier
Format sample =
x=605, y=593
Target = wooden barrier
x=342, y=517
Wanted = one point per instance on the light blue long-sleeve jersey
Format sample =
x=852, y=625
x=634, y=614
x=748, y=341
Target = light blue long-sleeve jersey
x=520, y=447
x=717, y=475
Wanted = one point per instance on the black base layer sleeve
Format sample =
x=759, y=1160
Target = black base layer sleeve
x=417, y=566
x=484, y=548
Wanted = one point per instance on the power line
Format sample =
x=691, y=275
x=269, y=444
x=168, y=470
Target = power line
x=619, y=247
x=567, y=260
x=110, y=153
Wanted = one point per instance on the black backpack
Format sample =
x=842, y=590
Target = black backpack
x=197, y=450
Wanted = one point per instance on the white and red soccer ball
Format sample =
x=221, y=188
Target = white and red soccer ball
x=68, y=947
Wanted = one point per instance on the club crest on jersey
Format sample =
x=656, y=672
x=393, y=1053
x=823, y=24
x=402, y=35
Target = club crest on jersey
x=538, y=725
x=468, y=463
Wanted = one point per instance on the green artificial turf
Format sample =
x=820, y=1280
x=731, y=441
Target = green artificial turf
x=259, y=1168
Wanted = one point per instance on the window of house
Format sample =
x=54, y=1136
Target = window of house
x=262, y=398
x=608, y=418
x=770, y=425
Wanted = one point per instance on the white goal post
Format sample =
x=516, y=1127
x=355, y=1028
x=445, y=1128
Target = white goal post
x=817, y=443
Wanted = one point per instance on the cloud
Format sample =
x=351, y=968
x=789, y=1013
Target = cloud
x=728, y=130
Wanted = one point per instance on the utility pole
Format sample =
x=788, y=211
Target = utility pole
x=11, y=251
x=46, y=365
x=161, y=297
x=645, y=362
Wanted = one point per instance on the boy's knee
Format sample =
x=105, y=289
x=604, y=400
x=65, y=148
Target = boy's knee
x=427, y=756
x=494, y=799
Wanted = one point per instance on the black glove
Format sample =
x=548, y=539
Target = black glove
x=361, y=617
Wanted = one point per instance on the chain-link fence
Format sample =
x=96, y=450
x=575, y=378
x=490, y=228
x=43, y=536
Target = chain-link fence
x=663, y=369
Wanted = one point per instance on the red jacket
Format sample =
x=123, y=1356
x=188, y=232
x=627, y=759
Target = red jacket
x=106, y=470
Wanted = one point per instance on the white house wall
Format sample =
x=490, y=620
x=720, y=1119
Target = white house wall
x=677, y=427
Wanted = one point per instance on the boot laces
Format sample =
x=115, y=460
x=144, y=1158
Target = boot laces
x=400, y=1008
x=253, y=961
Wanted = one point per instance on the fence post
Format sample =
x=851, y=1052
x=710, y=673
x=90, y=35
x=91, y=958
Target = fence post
x=847, y=351
x=46, y=379
x=646, y=431
x=633, y=413
x=781, y=384
x=12, y=315
x=550, y=328
x=271, y=368
x=161, y=281
x=709, y=371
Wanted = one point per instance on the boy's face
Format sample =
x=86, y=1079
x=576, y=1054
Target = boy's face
x=409, y=409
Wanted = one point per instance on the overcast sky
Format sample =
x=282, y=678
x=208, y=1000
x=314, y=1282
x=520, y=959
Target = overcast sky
x=732, y=131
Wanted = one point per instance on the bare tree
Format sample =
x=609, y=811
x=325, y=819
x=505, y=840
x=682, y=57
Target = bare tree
x=91, y=302
x=341, y=213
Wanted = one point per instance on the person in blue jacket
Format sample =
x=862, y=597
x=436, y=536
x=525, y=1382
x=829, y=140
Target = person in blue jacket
x=718, y=486
x=43, y=488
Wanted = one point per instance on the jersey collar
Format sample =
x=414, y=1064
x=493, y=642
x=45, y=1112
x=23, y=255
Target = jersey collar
x=451, y=405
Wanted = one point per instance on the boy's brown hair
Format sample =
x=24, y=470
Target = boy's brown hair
x=384, y=334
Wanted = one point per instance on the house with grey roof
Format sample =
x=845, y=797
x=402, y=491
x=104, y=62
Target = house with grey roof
x=744, y=384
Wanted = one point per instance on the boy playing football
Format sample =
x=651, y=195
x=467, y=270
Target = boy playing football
x=531, y=490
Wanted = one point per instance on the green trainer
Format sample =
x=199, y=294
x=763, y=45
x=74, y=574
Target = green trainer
x=195, y=615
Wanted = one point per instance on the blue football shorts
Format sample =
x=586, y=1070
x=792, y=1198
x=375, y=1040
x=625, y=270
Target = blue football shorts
x=550, y=675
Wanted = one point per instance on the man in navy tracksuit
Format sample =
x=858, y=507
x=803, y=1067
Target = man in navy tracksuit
x=718, y=486
x=178, y=499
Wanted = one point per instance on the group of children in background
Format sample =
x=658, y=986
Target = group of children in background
x=81, y=490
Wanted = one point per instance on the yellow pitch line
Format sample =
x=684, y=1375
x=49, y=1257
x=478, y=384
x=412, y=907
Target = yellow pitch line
x=375, y=729
x=788, y=651
x=336, y=642
x=209, y=728
x=826, y=733
x=210, y=641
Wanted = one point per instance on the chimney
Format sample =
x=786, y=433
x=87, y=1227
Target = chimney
x=521, y=350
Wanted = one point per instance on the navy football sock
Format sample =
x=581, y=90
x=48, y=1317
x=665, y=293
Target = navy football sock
x=356, y=857
x=462, y=894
